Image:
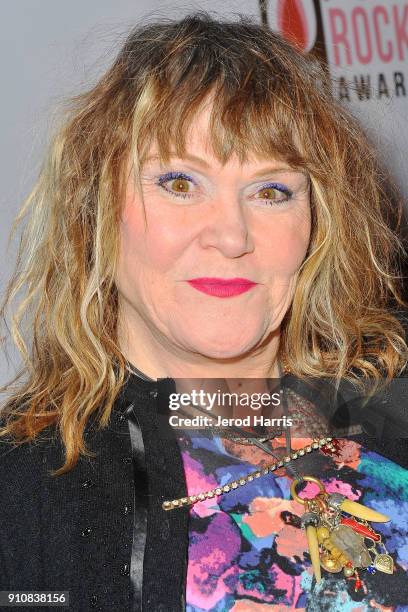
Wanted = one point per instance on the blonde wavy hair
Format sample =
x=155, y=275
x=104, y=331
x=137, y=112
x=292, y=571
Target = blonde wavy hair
x=268, y=99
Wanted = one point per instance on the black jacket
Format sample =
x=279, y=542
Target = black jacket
x=74, y=532
x=91, y=531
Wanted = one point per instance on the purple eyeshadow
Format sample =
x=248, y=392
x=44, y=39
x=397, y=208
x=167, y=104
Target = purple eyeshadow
x=175, y=175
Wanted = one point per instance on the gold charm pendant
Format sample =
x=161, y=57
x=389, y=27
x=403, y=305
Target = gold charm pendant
x=337, y=530
x=384, y=563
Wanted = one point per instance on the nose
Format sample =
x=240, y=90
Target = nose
x=226, y=228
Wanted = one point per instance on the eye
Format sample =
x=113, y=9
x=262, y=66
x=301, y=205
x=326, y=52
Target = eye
x=177, y=184
x=271, y=193
x=180, y=184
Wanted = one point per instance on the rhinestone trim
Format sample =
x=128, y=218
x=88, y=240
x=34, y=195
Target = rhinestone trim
x=234, y=484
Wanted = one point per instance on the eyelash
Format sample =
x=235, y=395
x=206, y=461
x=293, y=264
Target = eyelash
x=171, y=176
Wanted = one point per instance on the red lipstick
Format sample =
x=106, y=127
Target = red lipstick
x=222, y=287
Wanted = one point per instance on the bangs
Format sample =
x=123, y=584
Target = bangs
x=257, y=106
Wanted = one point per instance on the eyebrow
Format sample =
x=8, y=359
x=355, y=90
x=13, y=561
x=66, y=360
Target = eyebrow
x=259, y=174
x=276, y=170
x=190, y=157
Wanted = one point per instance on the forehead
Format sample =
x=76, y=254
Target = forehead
x=197, y=139
x=198, y=133
x=199, y=149
x=222, y=117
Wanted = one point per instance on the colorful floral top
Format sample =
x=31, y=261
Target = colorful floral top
x=247, y=551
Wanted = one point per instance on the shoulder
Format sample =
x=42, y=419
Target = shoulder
x=384, y=419
x=14, y=455
x=22, y=466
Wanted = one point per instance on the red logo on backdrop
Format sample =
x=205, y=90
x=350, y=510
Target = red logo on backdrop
x=373, y=37
x=292, y=22
x=299, y=21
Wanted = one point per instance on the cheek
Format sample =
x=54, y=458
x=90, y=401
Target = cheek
x=288, y=244
x=148, y=243
x=131, y=237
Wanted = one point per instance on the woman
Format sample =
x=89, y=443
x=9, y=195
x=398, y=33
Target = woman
x=206, y=211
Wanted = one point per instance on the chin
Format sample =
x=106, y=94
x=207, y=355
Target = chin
x=222, y=347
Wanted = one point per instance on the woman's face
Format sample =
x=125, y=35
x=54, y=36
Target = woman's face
x=204, y=220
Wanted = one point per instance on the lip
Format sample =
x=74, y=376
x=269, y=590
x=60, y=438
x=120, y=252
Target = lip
x=222, y=287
